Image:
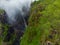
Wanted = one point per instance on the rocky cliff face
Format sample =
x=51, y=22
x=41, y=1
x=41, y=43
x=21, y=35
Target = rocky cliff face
x=43, y=25
x=3, y=16
x=10, y=34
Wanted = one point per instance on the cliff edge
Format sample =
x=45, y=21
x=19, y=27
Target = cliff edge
x=44, y=24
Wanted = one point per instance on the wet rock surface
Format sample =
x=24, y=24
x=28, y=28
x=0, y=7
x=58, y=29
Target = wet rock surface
x=12, y=32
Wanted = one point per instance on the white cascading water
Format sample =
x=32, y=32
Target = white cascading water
x=13, y=6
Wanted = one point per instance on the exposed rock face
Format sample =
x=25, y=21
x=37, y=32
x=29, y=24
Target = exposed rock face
x=14, y=31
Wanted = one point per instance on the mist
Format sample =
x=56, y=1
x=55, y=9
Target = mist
x=13, y=6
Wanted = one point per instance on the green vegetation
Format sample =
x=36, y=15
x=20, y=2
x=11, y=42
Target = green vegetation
x=44, y=24
x=3, y=28
x=1, y=11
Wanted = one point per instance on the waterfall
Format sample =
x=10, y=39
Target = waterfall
x=13, y=6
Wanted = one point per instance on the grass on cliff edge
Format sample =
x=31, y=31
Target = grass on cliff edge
x=44, y=24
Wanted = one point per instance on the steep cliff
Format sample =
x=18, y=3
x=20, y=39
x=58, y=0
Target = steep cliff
x=44, y=24
x=3, y=25
x=10, y=34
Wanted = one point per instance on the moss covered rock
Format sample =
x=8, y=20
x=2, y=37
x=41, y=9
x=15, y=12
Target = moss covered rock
x=3, y=26
x=44, y=24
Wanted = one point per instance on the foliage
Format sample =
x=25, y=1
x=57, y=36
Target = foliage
x=43, y=25
x=1, y=11
x=3, y=28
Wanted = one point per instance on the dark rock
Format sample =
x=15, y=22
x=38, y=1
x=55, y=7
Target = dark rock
x=17, y=27
x=50, y=36
x=9, y=34
x=3, y=17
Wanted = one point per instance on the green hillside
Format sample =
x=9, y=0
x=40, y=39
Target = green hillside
x=44, y=24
